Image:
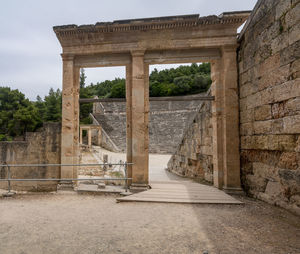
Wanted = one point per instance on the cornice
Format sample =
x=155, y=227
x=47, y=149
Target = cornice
x=160, y=23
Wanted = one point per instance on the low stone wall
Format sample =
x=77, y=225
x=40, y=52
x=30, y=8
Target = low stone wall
x=269, y=83
x=40, y=147
x=193, y=157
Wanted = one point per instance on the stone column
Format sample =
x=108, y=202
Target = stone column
x=217, y=123
x=129, y=119
x=70, y=117
x=89, y=137
x=80, y=135
x=99, y=131
x=231, y=158
x=137, y=122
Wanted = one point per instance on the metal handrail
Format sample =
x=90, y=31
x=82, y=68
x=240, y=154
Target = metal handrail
x=64, y=165
x=9, y=179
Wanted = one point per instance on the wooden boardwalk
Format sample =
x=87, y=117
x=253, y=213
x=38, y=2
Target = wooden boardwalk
x=181, y=192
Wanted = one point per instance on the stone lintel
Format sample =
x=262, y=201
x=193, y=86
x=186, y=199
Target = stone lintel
x=150, y=57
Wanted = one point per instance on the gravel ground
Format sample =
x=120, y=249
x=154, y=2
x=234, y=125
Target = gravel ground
x=69, y=223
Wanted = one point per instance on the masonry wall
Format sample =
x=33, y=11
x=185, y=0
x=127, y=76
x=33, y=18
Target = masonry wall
x=269, y=84
x=168, y=121
x=40, y=147
x=193, y=156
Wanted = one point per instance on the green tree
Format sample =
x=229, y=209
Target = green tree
x=52, y=103
x=182, y=85
x=11, y=101
x=24, y=119
x=40, y=105
x=118, y=90
x=85, y=108
x=82, y=78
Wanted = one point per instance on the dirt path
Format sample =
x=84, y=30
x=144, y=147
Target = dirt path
x=71, y=223
x=157, y=162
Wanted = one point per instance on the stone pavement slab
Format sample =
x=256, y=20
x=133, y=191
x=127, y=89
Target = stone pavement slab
x=181, y=192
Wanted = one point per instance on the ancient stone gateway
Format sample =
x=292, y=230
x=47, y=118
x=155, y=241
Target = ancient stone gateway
x=136, y=44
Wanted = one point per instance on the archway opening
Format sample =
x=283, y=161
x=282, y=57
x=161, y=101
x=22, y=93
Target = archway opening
x=174, y=106
x=104, y=122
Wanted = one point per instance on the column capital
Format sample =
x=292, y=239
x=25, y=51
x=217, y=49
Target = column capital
x=229, y=48
x=137, y=52
x=67, y=57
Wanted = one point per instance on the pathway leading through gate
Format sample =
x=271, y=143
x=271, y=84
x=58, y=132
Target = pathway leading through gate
x=167, y=187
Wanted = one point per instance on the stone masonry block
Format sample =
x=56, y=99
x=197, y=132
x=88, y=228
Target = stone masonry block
x=292, y=17
x=290, y=54
x=253, y=100
x=246, y=129
x=277, y=126
x=273, y=189
x=267, y=96
x=291, y=124
x=271, y=63
x=244, y=77
x=281, y=142
x=289, y=160
x=294, y=34
x=262, y=127
x=247, y=89
x=295, y=69
x=282, y=8
x=265, y=171
x=280, y=42
x=262, y=113
x=287, y=90
x=274, y=77
x=247, y=116
x=293, y=105
x=278, y=110
x=255, y=183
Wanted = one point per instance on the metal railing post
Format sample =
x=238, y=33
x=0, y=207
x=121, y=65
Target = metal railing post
x=126, y=176
x=8, y=179
x=9, y=192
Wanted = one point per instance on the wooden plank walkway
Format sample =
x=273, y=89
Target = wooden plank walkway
x=181, y=192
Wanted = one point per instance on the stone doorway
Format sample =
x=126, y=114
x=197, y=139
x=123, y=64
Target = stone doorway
x=138, y=43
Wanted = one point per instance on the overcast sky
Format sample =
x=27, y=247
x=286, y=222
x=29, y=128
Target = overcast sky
x=30, y=52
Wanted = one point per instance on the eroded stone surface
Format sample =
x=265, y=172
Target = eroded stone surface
x=270, y=86
x=41, y=147
x=194, y=156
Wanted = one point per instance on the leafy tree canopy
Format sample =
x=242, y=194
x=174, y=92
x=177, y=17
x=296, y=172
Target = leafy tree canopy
x=18, y=114
x=182, y=80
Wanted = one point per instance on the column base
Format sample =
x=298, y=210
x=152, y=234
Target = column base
x=233, y=190
x=65, y=185
x=138, y=187
x=8, y=194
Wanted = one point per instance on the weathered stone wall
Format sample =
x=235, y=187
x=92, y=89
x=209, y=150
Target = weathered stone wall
x=269, y=83
x=168, y=121
x=40, y=147
x=193, y=157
